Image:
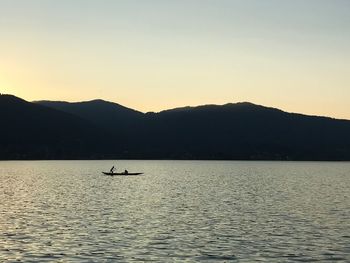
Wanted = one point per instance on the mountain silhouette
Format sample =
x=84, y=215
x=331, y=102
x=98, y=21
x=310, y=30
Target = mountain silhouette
x=103, y=113
x=248, y=131
x=101, y=129
x=31, y=131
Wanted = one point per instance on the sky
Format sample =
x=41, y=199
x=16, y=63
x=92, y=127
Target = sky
x=152, y=55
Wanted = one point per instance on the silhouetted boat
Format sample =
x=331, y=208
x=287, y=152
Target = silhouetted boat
x=126, y=174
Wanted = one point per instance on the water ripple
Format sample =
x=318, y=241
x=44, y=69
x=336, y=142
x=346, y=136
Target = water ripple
x=177, y=212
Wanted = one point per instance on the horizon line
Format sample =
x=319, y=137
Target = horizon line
x=179, y=107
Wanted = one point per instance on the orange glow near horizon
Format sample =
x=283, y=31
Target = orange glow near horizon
x=335, y=111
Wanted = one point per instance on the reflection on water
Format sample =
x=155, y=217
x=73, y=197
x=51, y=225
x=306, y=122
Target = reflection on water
x=180, y=210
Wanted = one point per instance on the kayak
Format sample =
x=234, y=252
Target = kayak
x=126, y=174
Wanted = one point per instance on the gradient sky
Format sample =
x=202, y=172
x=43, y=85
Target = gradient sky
x=158, y=54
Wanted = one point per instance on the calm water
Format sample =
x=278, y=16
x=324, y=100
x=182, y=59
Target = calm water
x=179, y=211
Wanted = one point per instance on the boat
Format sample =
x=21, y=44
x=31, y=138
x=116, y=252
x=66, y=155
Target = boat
x=125, y=174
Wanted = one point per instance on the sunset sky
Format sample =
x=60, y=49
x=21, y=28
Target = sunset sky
x=159, y=54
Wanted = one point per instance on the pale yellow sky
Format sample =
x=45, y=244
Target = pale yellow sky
x=155, y=55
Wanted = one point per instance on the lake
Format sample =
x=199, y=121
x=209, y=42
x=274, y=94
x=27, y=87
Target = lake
x=204, y=211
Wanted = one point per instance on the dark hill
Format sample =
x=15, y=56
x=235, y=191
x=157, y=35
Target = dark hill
x=106, y=114
x=30, y=131
x=99, y=129
x=248, y=131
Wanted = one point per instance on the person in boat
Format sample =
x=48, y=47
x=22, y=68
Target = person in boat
x=112, y=169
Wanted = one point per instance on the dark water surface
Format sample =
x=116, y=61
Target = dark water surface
x=179, y=211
